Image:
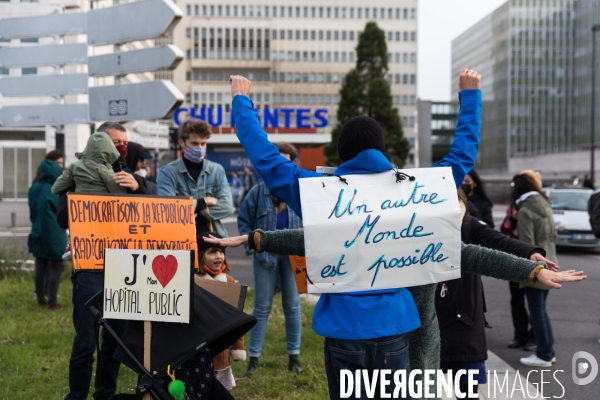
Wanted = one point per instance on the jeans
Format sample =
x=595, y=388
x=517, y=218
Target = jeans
x=264, y=282
x=382, y=353
x=540, y=321
x=47, y=278
x=519, y=314
x=86, y=285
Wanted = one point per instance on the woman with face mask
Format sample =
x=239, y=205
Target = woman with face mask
x=473, y=188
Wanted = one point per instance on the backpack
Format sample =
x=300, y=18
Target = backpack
x=594, y=212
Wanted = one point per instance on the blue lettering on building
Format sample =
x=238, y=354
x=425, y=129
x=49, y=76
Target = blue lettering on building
x=270, y=117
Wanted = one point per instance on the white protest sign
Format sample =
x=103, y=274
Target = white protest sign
x=148, y=285
x=377, y=233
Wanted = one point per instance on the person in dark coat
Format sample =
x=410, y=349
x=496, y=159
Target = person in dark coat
x=473, y=188
x=48, y=240
x=136, y=163
x=460, y=303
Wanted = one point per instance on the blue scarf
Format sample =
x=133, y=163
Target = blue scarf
x=366, y=162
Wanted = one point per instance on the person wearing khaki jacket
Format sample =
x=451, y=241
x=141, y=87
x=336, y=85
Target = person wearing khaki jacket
x=536, y=226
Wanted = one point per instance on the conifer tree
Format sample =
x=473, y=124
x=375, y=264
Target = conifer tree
x=365, y=91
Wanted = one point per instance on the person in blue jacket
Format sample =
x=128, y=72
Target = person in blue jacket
x=363, y=330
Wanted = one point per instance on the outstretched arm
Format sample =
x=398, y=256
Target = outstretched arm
x=465, y=145
x=280, y=174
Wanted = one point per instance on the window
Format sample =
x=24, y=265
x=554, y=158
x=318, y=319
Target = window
x=336, y=79
x=297, y=12
x=328, y=35
x=313, y=78
x=321, y=35
x=227, y=11
x=405, y=57
x=188, y=32
x=305, y=12
x=305, y=35
x=289, y=56
x=396, y=100
x=389, y=57
x=313, y=35
x=390, y=36
x=290, y=99
x=188, y=77
x=297, y=98
x=243, y=11
x=336, y=56
x=397, y=13
x=204, y=74
x=313, y=99
x=313, y=12
x=328, y=56
x=405, y=36
x=212, y=10
x=374, y=13
x=413, y=13
x=397, y=57
x=251, y=11
x=274, y=34
x=274, y=77
x=320, y=78
x=281, y=77
x=359, y=12
x=351, y=35
x=412, y=100
x=275, y=11
x=297, y=35
x=328, y=12
x=313, y=56
x=281, y=55
x=290, y=35
x=390, y=13
x=204, y=12
x=404, y=79
x=327, y=99
x=321, y=56
x=220, y=11
x=413, y=57
x=297, y=56
x=336, y=99
x=297, y=77
x=343, y=12
x=289, y=77
x=389, y=78
x=188, y=54
x=304, y=99
x=305, y=77
x=413, y=79
x=327, y=78
x=336, y=12
x=404, y=100
x=382, y=13
x=305, y=56
x=405, y=13
x=336, y=35
x=351, y=12
x=413, y=36
x=320, y=99
x=397, y=78
x=397, y=36
x=196, y=75
x=351, y=56
x=343, y=35
x=344, y=56
x=188, y=9
x=367, y=12
x=196, y=9
x=320, y=12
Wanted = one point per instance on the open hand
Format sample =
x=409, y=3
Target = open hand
x=211, y=201
x=233, y=241
x=538, y=257
x=239, y=85
x=553, y=279
x=468, y=79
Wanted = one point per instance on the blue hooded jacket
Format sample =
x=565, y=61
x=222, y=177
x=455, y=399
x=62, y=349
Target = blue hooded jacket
x=361, y=315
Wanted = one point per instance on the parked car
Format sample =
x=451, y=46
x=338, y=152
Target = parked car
x=571, y=217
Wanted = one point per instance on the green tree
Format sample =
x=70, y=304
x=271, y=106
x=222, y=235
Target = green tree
x=366, y=92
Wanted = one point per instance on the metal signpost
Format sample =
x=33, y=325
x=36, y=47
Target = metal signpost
x=152, y=59
x=44, y=85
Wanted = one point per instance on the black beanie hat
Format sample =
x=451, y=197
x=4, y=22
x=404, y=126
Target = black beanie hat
x=359, y=134
x=203, y=246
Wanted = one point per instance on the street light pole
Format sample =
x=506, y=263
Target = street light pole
x=595, y=29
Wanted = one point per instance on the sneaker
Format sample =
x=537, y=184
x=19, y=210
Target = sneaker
x=67, y=255
x=252, y=366
x=294, y=364
x=535, y=361
x=515, y=344
x=553, y=359
x=55, y=307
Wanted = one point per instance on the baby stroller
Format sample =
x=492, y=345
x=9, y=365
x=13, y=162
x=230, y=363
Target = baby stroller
x=187, y=348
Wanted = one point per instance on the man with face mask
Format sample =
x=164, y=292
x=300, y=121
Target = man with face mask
x=193, y=175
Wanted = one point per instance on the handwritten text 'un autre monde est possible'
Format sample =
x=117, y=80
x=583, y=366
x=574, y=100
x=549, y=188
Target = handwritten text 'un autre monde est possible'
x=140, y=218
x=369, y=234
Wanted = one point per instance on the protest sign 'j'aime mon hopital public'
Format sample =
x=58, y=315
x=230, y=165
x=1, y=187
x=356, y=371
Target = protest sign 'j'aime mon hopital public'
x=369, y=232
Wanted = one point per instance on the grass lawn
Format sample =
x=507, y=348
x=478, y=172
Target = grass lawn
x=35, y=346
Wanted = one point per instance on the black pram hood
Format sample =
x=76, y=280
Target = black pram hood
x=216, y=325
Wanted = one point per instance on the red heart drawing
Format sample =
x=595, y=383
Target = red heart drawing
x=164, y=269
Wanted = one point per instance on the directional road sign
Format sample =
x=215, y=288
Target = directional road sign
x=151, y=129
x=44, y=85
x=43, y=25
x=153, y=143
x=127, y=62
x=46, y=114
x=132, y=21
x=126, y=102
x=33, y=56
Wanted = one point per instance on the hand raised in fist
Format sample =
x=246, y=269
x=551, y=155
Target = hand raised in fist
x=468, y=79
x=239, y=85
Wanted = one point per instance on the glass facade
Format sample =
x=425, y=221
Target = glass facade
x=18, y=166
x=443, y=125
x=535, y=58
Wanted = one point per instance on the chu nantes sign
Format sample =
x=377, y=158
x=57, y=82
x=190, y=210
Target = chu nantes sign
x=379, y=232
x=148, y=285
x=270, y=117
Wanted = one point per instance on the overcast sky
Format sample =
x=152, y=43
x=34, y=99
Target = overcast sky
x=440, y=21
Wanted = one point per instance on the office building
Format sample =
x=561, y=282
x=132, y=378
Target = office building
x=296, y=53
x=534, y=57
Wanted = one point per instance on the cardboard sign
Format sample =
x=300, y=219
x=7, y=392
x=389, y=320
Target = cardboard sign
x=298, y=264
x=376, y=231
x=231, y=293
x=100, y=221
x=148, y=285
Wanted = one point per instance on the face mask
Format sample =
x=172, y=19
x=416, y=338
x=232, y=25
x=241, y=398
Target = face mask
x=141, y=172
x=467, y=189
x=194, y=155
x=122, y=149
